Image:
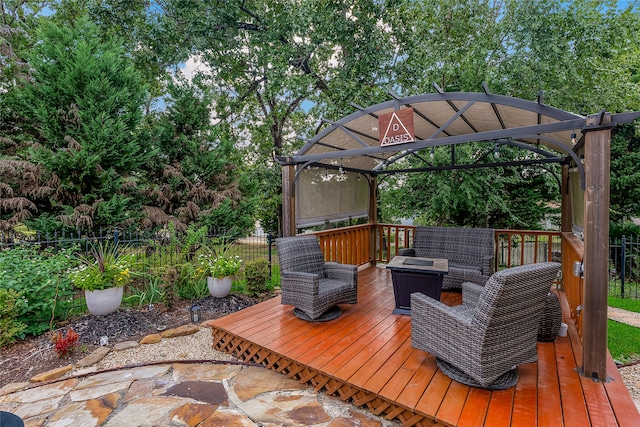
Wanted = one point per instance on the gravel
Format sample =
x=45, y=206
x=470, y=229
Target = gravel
x=631, y=377
x=191, y=347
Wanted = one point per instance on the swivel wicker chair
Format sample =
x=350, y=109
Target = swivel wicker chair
x=482, y=341
x=314, y=287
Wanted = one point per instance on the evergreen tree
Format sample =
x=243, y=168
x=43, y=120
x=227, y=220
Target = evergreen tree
x=625, y=174
x=84, y=98
x=194, y=177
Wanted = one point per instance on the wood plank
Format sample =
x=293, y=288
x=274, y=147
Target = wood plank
x=330, y=346
x=433, y=396
x=360, y=345
x=525, y=400
x=416, y=387
x=624, y=409
x=500, y=408
x=255, y=311
x=453, y=403
x=599, y=409
x=368, y=350
x=243, y=323
x=286, y=328
x=600, y=412
x=475, y=408
x=574, y=407
x=398, y=382
x=320, y=337
x=549, y=408
x=295, y=327
x=375, y=374
x=350, y=360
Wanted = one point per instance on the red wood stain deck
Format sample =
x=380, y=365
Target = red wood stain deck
x=365, y=357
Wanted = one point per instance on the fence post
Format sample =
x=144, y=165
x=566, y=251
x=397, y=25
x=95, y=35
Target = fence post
x=623, y=255
x=269, y=240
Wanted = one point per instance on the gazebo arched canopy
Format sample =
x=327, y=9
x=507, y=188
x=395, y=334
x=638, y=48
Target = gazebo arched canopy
x=353, y=144
x=372, y=138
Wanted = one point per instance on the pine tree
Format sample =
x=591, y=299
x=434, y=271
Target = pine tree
x=194, y=177
x=85, y=99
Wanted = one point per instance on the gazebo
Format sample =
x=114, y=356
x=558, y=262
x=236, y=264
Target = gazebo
x=335, y=174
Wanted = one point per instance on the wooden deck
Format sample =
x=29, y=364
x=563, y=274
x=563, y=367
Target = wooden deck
x=365, y=357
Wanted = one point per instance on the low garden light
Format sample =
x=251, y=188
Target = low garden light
x=195, y=313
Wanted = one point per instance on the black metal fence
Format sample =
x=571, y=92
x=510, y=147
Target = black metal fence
x=624, y=260
x=162, y=249
x=152, y=250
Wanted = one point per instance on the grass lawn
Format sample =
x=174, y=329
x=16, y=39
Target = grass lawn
x=623, y=339
x=629, y=304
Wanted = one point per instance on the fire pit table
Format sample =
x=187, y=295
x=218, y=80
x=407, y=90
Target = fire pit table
x=414, y=274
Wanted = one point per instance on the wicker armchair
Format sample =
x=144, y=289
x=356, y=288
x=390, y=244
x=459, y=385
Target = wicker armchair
x=314, y=287
x=482, y=341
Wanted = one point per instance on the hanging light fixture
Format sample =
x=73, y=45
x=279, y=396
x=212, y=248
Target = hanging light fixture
x=496, y=151
x=432, y=154
x=573, y=138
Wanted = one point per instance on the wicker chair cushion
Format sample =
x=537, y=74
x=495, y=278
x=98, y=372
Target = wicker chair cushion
x=301, y=253
x=330, y=286
x=470, y=252
x=464, y=246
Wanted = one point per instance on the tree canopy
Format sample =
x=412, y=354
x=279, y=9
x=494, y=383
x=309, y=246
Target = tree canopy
x=104, y=121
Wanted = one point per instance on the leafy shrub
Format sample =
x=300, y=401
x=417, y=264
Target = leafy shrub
x=10, y=328
x=149, y=293
x=42, y=280
x=257, y=275
x=192, y=288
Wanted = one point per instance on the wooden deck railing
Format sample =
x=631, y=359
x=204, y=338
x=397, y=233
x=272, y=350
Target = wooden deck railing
x=573, y=251
x=351, y=245
x=347, y=245
x=521, y=247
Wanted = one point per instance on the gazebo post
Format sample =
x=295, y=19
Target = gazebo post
x=566, y=213
x=597, y=150
x=288, y=201
x=373, y=217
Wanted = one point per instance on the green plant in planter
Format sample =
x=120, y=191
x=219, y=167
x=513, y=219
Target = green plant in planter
x=105, y=267
x=220, y=263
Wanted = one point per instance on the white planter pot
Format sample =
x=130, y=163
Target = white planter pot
x=219, y=287
x=103, y=302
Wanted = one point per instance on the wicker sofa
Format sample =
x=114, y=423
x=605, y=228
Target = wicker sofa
x=470, y=252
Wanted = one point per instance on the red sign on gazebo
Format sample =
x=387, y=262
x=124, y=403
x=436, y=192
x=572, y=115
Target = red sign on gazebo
x=396, y=127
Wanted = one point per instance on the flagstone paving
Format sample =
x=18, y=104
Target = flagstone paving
x=181, y=394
